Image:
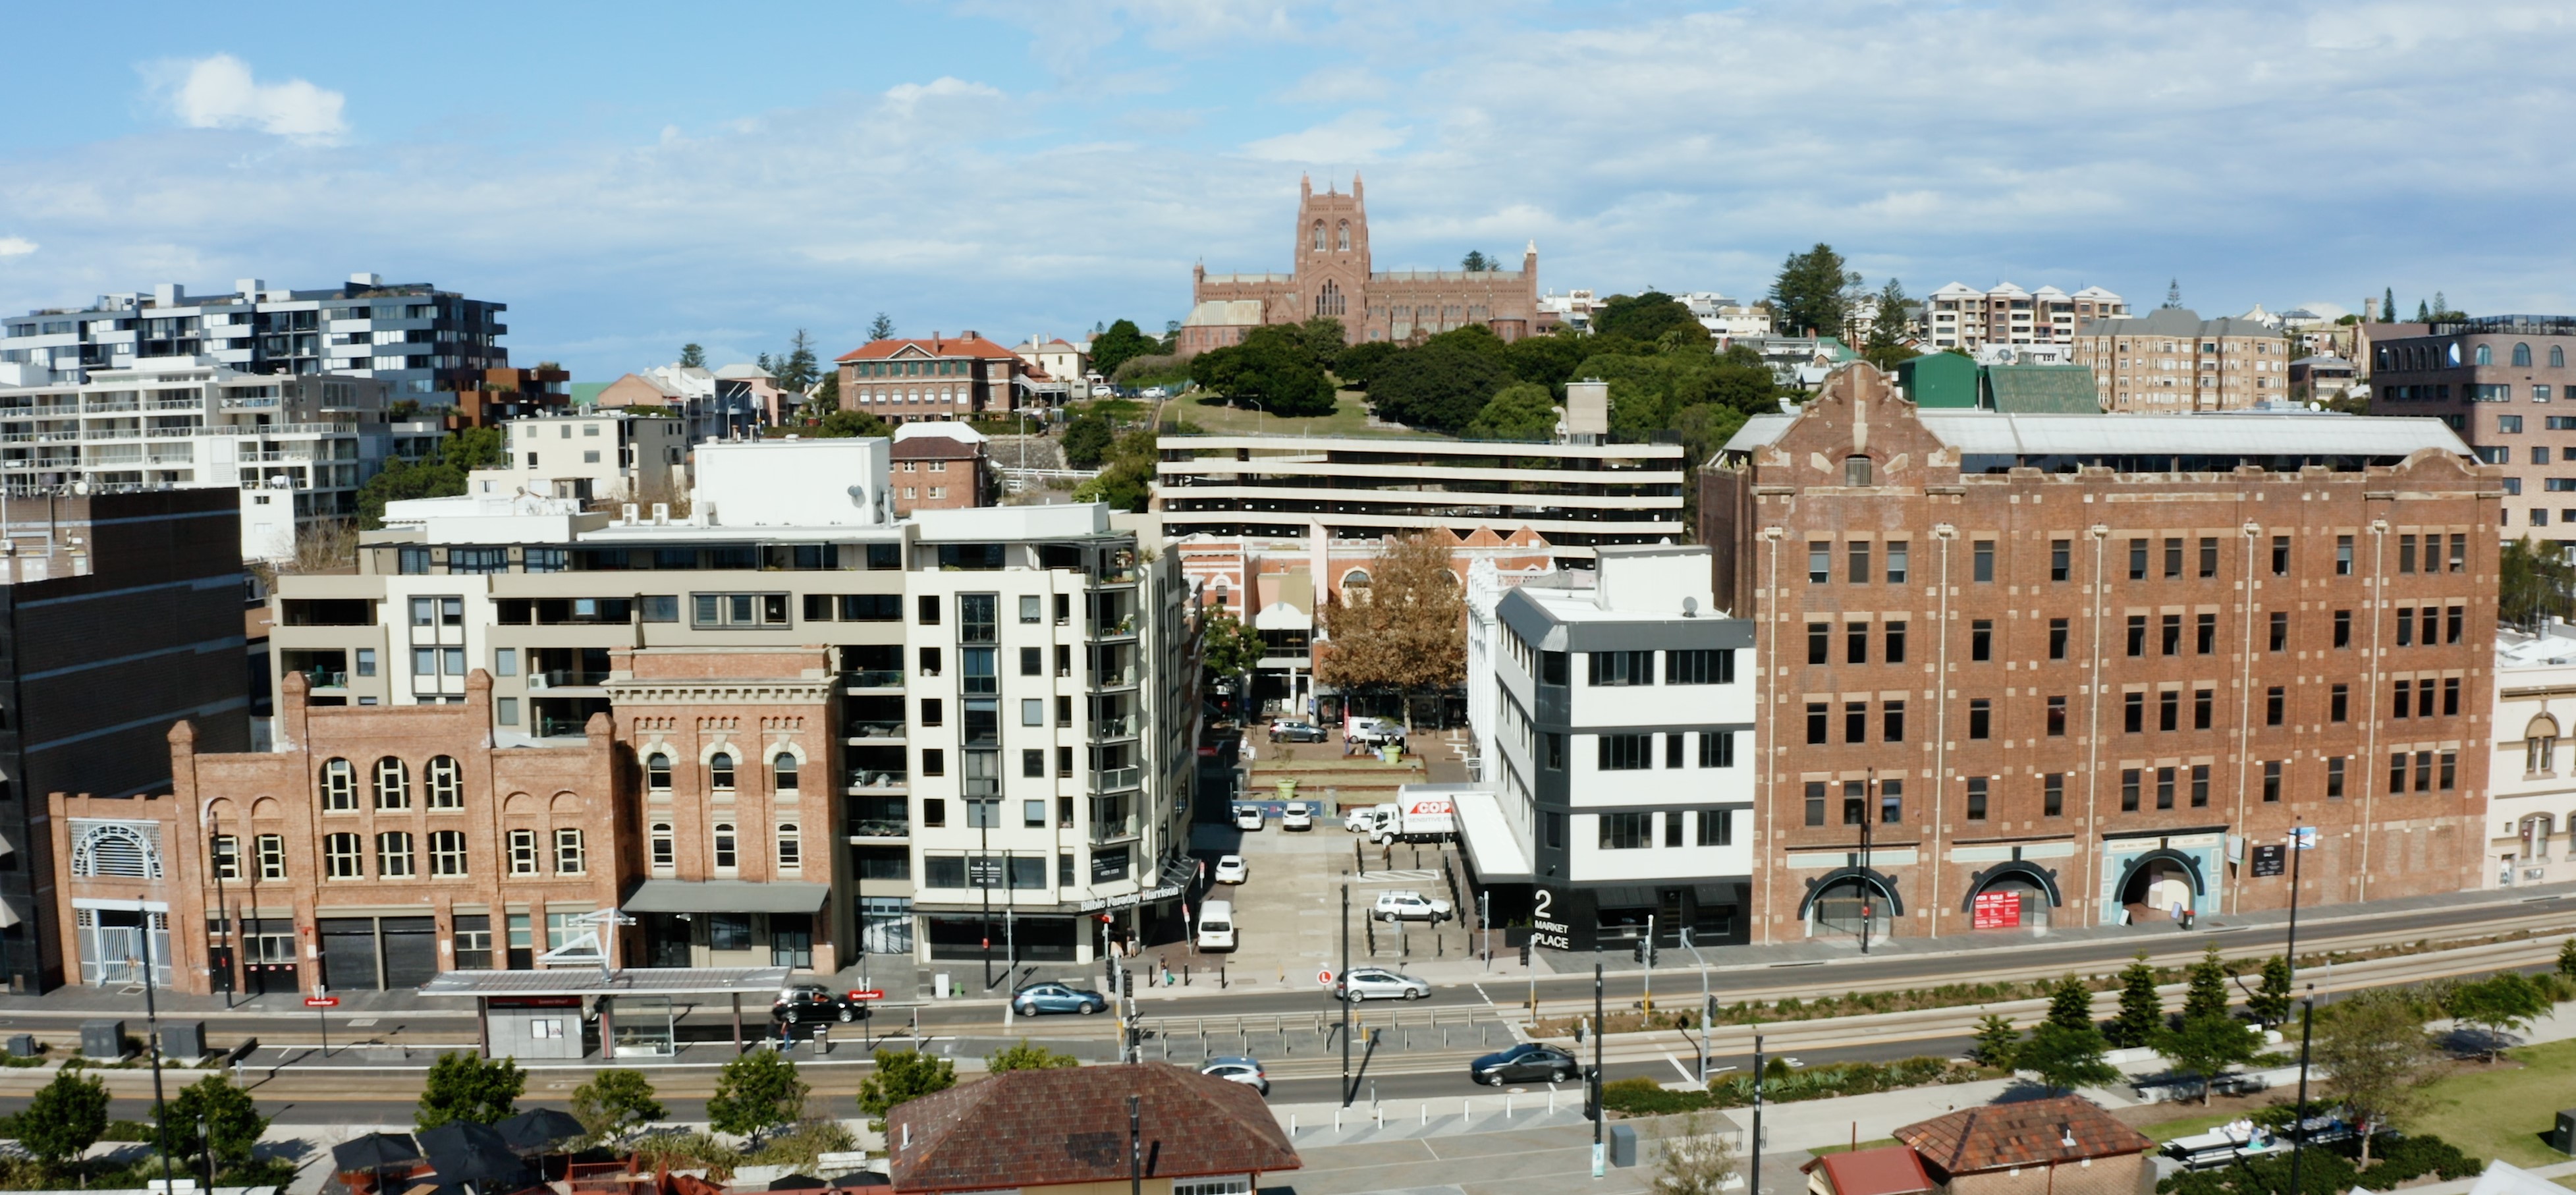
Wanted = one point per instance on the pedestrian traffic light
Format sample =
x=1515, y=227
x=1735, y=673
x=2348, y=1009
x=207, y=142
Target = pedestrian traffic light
x=1525, y=954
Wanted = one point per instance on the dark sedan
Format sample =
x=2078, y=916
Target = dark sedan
x=814, y=1004
x=1530, y=1063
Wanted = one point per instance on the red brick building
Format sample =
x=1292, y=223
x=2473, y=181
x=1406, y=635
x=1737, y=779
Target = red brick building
x=2019, y=668
x=943, y=377
x=936, y=471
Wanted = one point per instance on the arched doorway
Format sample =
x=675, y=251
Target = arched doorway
x=1839, y=902
x=2012, y=895
x=2158, y=884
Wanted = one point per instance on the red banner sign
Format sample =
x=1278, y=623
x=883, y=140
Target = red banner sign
x=1996, y=910
x=321, y=1002
x=868, y=994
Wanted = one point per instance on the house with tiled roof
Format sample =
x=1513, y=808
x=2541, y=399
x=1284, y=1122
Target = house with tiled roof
x=1169, y=1130
x=940, y=466
x=926, y=380
x=2062, y=1145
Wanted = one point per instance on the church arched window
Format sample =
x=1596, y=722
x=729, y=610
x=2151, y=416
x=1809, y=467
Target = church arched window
x=1328, y=301
x=1345, y=245
x=1319, y=236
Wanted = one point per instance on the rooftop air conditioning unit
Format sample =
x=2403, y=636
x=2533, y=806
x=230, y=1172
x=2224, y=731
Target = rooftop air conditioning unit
x=626, y=513
x=661, y=514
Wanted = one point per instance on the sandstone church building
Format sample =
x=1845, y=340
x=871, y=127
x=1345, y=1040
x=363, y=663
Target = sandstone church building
x=1330, y=275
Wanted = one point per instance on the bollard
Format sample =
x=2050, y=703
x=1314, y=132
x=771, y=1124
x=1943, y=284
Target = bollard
x=1426, y=1116
x=1481, y=1027
x=1381, y=1118
x=1292, y=1124
x=1337, y=1120
x=1462, y=1110
x=1185, y=975
x=1507, y=1105
x=1551, y=1100
x=1220, y=975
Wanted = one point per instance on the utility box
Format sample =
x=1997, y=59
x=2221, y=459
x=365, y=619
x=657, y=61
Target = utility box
x=2563, y=1137
x=22, y=1045
x=183, y=1041
x=103, y=1040
x=1623, y=1145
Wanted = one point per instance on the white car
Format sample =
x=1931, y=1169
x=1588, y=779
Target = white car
x=1364, y=819
x=1247, y=817
x=1295, y=816
x=1230, y=869
x=1409, y=906
x=1378, y=983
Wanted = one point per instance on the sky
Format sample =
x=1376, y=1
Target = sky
x=630, y=177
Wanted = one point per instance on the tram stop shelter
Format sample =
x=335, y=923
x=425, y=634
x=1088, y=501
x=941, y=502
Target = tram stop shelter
x=538, y=1014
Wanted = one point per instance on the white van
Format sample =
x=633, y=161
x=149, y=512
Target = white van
x=1216, y=925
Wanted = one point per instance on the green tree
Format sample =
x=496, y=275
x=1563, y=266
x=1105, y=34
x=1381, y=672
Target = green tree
x=2142, y=1011
x=756, y=1094
x=1126, y=480
x=464, y=1087
x=2535, y=584
x=1807, y=297
x=2070, y=1004
x=827, y=394
x=65, y=1118
x=2205, y=1046
x=1996, y=1041
x=843, y=424
x=798, y=371
x=1885, y=345
x=1520, y=411
x=1278, y=368
x=1441, y=386
x=1404, y=635
x=2567, y=958
x=1022, y=1056
x=1357, y=364
x=691, y=355
x=1547, y=360
x=2206, y=993
x=2388, y=304
x=2270, y=1003
x=615, y=1103
x=1087, y=438
x=2375, y=1059
x=1476, y=262
x=212, y=1112
x=2498, y=1005
x=901, y=1075
x=1113, y=347
x=1644, y=317
x=1228, y=647
x=2065, y=1059
x=882, y=327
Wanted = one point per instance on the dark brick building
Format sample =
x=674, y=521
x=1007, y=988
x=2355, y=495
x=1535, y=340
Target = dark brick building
x=2088, y=667
x=2503, y=382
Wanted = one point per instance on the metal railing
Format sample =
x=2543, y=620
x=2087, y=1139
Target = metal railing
x=872, y=729
x=881, y=828
x=1113, y=830
x=1103, y=729
x=880, y=781
x=877, y=678
x=558, y=678
x=1117, y=779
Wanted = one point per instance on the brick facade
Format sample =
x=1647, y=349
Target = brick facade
x=1983, y=639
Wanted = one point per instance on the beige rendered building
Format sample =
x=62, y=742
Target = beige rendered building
x=608, y=456
x=2171, y=360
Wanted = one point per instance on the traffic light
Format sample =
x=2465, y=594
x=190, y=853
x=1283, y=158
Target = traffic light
x=1645, y=951
x=1525, y=955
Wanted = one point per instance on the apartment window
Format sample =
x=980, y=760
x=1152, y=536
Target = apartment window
x=2173, y=557
x=523, y=852
x=1891, y=718
x=2137, y=560
x=2343, y=628
x=1634, y=752
x=1716, y=749
x=393, y=784
x=447, y=852
x=366, y=661
x=2280, y=555
x=1716, y=827
x=2170, y=636
x=2275, y=705
x=2133, y=712
x=2334, y=778
x=412, y=562
x=664, y=607
x=1064, y=767
x=1552, y=745
x=1820, y=562
x=2200, y=786
x=934, y=711
x=657, y=772
x=1820, y=642
x=2060, y=563
x=1815, y=802
x=569, y=860
x=1855, y=721
x=1976, y=798
x=2405, y=626
x=2338, y=703
x=446, y=783
x=1897, y=563
x=934, y=812
x=1891, y=802
x=2137, y=635
x=2057, y=638
x=2450, y=769
x=926, y=609
x=2052, y=794
x=2205, y=634
x=1981, y=714
x=2272, y=781
x=2343, y=555
x=2510, y=425
x=339, y=786
x=1816, y=719
x=934, y=762
x=2423, y=771
x=2450, y=696
x=1855, y=802
x=2208, y=556
x=2280, y=640
x=393, y=855
x=1032, y=661
x=1611, y=668
x=2406, y=549
x=727, y=857
x=2201, y=702
x=2168, y=710
x=343, y=857
x=1981, y=640
x=1033, y=711
x=1896, y=642
x=1673, y=827
x=2164, y=788
x=1857, y=561
x=1626, y=831
x=720, y=770
x=1856, y=643
x=1673, y=748
x=2056, y=717
x=713, y=610
x=2459, y=553
x=1983, y=557
x=1704, y=666
x=272, y=856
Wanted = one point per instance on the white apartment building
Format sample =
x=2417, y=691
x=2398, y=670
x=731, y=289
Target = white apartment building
x=1727, y=317
x=1609, y=724
x=2531, y=782
x=606, y=456
x=296, y=446
x=1011, y=698
x=1957, y=316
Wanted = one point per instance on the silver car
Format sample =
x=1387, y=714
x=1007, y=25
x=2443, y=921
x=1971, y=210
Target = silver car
x=1238, y=1069
x=1378, y=983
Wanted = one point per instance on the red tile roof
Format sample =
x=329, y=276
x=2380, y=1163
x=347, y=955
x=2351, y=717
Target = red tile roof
x=1045, y=1127
x=936, y=448
x=2031, y=1133
x=969, y=345
x=1888, y=1170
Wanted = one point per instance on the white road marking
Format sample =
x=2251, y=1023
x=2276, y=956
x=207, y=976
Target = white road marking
x=1687, y=1076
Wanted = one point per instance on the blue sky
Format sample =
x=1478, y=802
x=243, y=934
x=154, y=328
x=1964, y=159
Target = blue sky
x=628, y=177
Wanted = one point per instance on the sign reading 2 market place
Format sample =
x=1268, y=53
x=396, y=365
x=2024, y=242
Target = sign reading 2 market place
x=1545, y=931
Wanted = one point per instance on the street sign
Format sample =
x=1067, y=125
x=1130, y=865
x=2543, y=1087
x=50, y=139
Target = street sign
x=2304, y=838
x=321, y=1002
x=2271, y=860
x=867, y=994
x=1324, y=977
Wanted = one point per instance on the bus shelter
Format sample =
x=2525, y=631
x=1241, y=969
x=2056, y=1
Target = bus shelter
x=524, y=1014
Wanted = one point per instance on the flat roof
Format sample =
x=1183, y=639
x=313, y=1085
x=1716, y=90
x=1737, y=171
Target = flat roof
x=727, y=896
x=1487, y=835
x=2214, y=433
x=632, y=981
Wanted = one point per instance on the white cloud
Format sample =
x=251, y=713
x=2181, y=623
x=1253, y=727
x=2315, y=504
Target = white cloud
x=219, y=92
x=1345, y=139
x=16, y=246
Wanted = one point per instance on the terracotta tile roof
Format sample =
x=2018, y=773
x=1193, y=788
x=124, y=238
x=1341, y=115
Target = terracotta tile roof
x=2034, y=1132
x=936, y=448
x=1040, y=1128
x=1889, y=1170
x=969, y=345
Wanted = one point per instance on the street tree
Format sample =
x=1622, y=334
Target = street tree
x=65, y=1118
x=1402, y=633
x=756, y=1094
x=692, y=355
x=2375, y=1059
x=2205, y=1046
x=1693, y=1158
x=2065, y=1059
x=1022, y=1056
x=2205, y=995
x=614, y=1104
x=2142, y=1011
x=464, y=1087
x=1231, y=649
x=901, y=1075
x=212, y=1115
x=2270, y=1003
x=2070, y=1004
x=1807, y=297
x=2497, y=1006
x=1996, y=1041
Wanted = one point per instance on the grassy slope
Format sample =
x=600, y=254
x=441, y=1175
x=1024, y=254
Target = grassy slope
x=1349, y=418
x=2497, y=1113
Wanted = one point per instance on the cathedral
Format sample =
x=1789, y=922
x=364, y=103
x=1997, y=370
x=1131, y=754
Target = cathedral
x=1330, y=275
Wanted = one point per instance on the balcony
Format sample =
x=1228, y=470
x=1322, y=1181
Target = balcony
x=868, y=780
x=566, y=678
x=877, y=678
x=325, y=678
x=1110, y=780
x=1110, y=729
x=880, y=829
x=871, y=728
x=878, y=817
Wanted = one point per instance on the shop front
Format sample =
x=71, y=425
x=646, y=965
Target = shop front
x=733, y=923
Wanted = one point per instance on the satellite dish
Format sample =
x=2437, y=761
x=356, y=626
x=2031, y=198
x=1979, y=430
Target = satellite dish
x=1690, y=607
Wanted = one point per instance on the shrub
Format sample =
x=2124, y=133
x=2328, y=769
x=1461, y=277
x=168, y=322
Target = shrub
x=1645, y=1097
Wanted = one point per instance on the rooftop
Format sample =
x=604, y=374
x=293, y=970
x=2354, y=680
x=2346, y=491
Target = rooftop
x=2231, y=434
x=1888, y=1170
x=2066, y=1128
x=1051, y=1127
x=967, y=344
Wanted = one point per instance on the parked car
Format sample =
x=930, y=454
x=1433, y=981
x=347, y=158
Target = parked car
x=1378, y=983
x=1409, y=906
x=1530, y=1062
x=814, y=1004
x=1296, y=816
x=1216, y=925
x=1290, y=730
x=1375, y=732
x=1238, y=1069
x=1055, y=997
x=1364, y=820
x=1247, y=817
x=1230, y=869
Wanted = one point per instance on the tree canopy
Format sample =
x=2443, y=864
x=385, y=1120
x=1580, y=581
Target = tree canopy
x=882, y=327
x=1443, y=384
x=211, y=1116
x=1520, y=411
x=2142, y=1011
x=1022, y=1056
x=1807, y=297
x=1885, y=346
x=842, y=424
x=615, y=1103
x=1399, y=634
x=1278, y=367
x=464, y=1087
x=65, y=1118
x=2375, y=1059
x=901, y=1075
x=693, y=355
x=440, y=474
x=756, y=1093
x=1113, y=346
x=1087, y=437
x=1645, y=317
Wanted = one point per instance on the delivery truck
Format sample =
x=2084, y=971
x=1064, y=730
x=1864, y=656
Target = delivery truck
x=1418, y=817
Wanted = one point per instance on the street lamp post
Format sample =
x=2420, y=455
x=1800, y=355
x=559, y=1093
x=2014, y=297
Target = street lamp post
x=1705, y=1008
x=984, y=882
x=1868, y=912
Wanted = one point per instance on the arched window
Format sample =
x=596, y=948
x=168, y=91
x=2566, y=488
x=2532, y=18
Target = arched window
x=446, y=781
x=2486, y=354
x=339, y=785
x=2521, y=355
x=1357, y=578
x=1319, y=236
x=1329, y=301
x=726, y=858
x=1345, y=236
x=1856, y=471
x=2557, y=356
x=115, y=849
x=657, y=772
x=720, y=770
x=2540, y=745
x=782, y=772
x=790, y=856
x=664, y=854
x=393, y=784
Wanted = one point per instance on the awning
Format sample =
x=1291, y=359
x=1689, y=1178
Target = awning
x=1280, y=616
x=1498, y=855
x=726, y=896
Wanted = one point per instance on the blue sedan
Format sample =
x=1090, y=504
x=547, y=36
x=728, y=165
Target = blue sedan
x=1055, y=997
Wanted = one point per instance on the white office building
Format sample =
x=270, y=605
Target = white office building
x=2531, y=782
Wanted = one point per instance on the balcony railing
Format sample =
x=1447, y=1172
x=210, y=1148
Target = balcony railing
x=324, y=678
x=877, y=678
x=1121, y=629
x=1114, y=678
x=876, y=781
x=1113, y=829
x=880, y=828
x=561, y=678
x=873, y=730
x=1116, y=779
x=1104, y=729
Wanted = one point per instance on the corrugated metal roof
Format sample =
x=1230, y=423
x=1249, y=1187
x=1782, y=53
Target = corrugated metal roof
x=2043, y=389
x=1995, y=433
x=1758, y=432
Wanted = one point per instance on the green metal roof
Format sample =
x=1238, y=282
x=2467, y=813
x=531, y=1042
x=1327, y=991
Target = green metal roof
x=2041, y=390
x=1939, y=380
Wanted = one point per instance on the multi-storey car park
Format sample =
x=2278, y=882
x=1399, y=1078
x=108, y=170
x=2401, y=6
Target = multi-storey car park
x=2094, y=668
